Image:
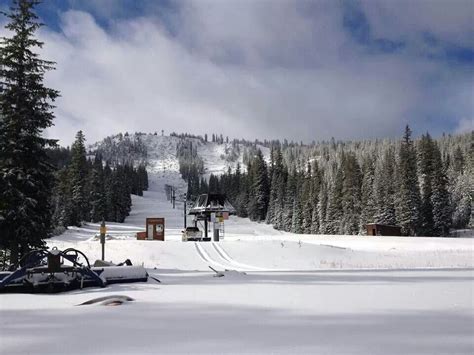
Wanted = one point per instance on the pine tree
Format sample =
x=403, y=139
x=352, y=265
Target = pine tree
x=351, y=194
x=297, y=217
x=384, y=188
x=426, y=170
x=279, y=212
x=322, y=209
x=276, y=172
x=290, y=195
x=62, y=200
x=334, y=208
x=440, y=196
x=259, y=190
x=242, y=200
x=110, y=194
x=316, y=187
x=461, y=200
x=78, y=174
x=26, y=176
x=307, y=201
x=123, y=195
x=368, y=207
x=97, y=191
x=408, y=206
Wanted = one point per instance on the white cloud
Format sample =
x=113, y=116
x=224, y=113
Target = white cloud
x=465, y=125
x=450, y=21
x=245, y=69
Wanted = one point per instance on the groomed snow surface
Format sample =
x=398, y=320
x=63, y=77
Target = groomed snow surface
x=282, y=293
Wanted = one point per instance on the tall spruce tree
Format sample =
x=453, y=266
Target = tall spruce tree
x=97, y=196
x=368, y=208
x=275, y=172
x=440, y=196
x=385, y=187
x=290, y=196
x=322, y=208
x=78, y=170
x=351, y=194
x=26, y=109
x=62, y=200
x=426, y=171
x=278, y=217
x=408, y=206
x=316, y=187
x=334, y=214
x=307, y=200
x=258, y=200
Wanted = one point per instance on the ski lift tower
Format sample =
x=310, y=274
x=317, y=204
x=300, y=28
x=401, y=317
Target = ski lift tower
x=214, y=208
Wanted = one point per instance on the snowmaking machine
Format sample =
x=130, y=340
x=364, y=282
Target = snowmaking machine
x=54, y=270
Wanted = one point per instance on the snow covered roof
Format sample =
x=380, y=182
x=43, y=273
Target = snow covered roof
x=208, y=203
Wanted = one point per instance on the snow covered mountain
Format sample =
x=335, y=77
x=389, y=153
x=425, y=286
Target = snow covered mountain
x=283, y=293
x=161, y=151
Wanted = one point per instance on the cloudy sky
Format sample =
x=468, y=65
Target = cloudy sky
x=302, y=70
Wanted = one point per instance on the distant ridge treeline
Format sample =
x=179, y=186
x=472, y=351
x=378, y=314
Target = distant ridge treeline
x=87, y=190
x=424, y=186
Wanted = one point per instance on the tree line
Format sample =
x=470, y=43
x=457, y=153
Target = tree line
x=87, y=190
x=423, y=186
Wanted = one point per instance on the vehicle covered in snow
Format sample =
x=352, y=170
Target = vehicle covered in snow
x=191, y=234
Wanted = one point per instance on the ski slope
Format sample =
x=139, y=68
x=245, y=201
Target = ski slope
x=282, y=293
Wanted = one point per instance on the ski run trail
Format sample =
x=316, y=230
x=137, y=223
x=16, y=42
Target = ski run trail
x=280, y=293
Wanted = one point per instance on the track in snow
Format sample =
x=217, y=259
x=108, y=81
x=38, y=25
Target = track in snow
x=221, y=258
x=223, y=254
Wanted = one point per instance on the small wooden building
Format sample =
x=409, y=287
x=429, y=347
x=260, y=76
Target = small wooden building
x=155, y=230
x=382, y=229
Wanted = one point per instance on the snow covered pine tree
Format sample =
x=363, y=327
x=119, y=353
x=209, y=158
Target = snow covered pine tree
x=26, y=109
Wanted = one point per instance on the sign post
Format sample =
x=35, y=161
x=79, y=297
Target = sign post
x=103, y=231
x=185, y=202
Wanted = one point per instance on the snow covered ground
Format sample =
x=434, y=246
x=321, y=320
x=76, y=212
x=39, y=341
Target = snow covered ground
x=214, y=157
x=283, y=293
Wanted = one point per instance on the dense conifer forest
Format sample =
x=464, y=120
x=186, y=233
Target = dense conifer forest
x=423, y=185
x=91, y=188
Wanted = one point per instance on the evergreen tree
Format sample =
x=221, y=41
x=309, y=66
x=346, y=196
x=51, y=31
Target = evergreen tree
x=276, y=173
x=214, y=184
x=290, y=195
x=458, y=161
x=110, y=194
x=279, y=209
x=408, y=205
x=316, y=187
x=335, y=208
x=26, y=176
x=78, y=175
x=440, y=196
x=297, y=218
x=461, y=200
x=384, y=188
x=322, y=209
x=368, y=207
x=259, y=190
x=351, y=194
x=307, y=201
x=426, y=170
x=62, y=200
x=242, y=200
x=97, y=191
x=122, y=197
